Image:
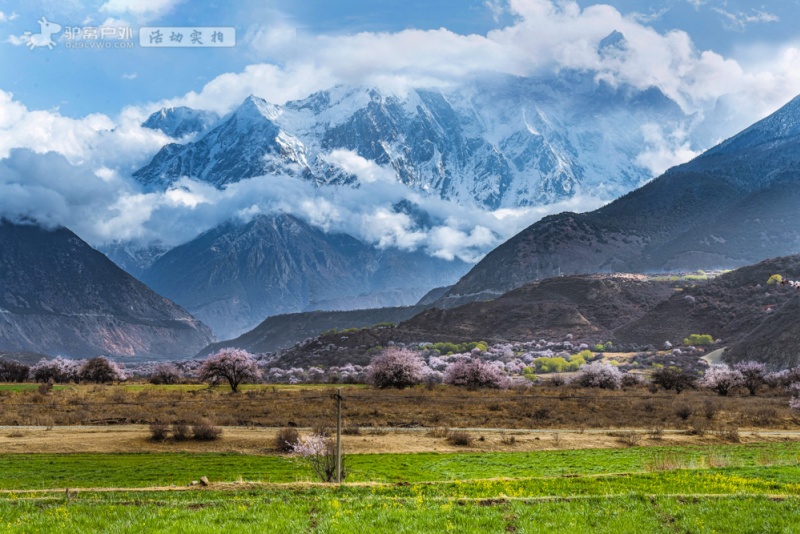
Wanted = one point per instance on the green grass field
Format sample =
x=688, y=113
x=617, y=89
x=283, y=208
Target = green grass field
x=736, y=488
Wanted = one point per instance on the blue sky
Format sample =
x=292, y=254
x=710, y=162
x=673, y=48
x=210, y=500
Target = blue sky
x=78, y=82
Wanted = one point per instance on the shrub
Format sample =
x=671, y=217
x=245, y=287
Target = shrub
x=204, y=431
x=459, y=438
x=684, y=412
x=320, y=453
x=396, y=368
x=774, y=279
x=101, y=371
x=672, y=378
x=475, y=374
x=235, y=366
x=753, y=375
x=630, y=380
x=180, y=431
x=722, y=379
x=165, y=373
x=552, y=365
x=11, y=371
x=286, y=439
x=697, y=340
x=600, y=375
x=158, y=431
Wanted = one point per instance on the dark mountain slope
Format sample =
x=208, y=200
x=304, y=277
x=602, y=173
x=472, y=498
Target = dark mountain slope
x=729, y=307
x=60, y=296
x=282, y=331
x=237, y=274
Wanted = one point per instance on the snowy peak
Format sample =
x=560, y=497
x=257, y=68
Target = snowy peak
x=494, y=143
x=244, y=145
x=612, y=44
x=180, y=121
x=255, y=108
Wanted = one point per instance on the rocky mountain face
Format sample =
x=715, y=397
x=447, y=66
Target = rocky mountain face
x=180, y=121
x=237, y=274
x=753, y=319
x=59, y=296
x=732, y=206
x=283, y=331
x=132, y=258
x=494, y=143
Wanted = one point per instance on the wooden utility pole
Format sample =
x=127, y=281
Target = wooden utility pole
x=339, y=436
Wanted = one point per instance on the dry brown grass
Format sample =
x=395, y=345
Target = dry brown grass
x=268, y=406
x=251, y=440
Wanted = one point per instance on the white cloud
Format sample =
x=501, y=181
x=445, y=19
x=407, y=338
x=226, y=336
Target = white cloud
x=664, y=150
x=15, y=40
x=130, y=76
x=545, y=36
x=7, y=18
x=120, y=143
x=143, y=10
x=739, y=20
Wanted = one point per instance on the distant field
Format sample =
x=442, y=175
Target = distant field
x=312, y=405
x=733, y=488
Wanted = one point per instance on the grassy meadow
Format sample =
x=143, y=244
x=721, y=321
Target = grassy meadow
x=725, y=488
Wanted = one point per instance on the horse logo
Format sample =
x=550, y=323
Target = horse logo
x=44, y=37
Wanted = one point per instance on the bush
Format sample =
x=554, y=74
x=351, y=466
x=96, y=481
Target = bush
x=600, y=375
x=11, y=371
x=459, y=438
x=101, y=371
x=474, y=375
x=180, y=431
x=630, y=380
x=286, y=439
x=753, y=375
x=774, y=279
x=165, y=373
x=722, y=379
x=235, y=366
x=158, y=431
x=698, y=340
x=684, y=412
x=672, y=378
x=320, y=453
x=396, y=368
x=204, y=431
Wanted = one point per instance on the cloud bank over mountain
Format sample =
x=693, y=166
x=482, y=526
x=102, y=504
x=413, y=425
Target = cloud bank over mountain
x=75, y=171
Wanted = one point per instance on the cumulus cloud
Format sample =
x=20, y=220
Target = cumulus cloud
x=664, y=149
x=119, y=143
x=544, y=36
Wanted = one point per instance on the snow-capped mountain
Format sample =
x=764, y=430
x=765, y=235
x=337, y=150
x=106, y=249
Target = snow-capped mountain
x=494, y=143
x=180, y=121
